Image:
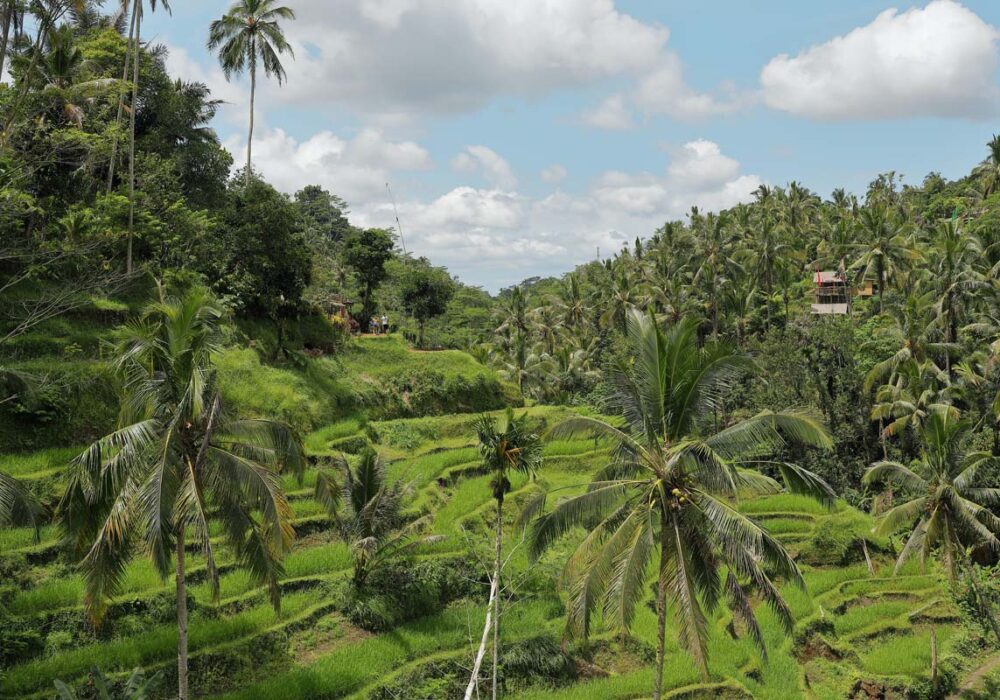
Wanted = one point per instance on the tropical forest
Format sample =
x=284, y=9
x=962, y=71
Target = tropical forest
x=254, y=446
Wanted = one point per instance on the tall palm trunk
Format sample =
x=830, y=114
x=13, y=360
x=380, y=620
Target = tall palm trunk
x=497, y=565
x=880, y=267
x=8, y=19
x=661, y=610
x=131, y=144
x=36, y=53
x=131, y=45
x=182, y=622
x=253, y=96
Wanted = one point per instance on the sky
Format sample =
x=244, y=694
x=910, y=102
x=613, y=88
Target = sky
x=523, y=137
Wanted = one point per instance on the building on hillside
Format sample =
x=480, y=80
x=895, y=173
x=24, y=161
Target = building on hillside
x=832, y=294
x=867, y=288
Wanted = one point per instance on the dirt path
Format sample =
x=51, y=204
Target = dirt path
x=989, y=666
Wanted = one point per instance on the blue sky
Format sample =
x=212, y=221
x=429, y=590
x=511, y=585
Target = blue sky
x=520, y=135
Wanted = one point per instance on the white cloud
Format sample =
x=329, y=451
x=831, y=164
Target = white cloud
x=940, y=60
x=356, y=169
x=393, y=61
x=612, y=113
x=428, y=56
x=700, y=164
x=663, y=91
x=496, y=238
x=495, y=235
x=554, y=174
x=488, y=163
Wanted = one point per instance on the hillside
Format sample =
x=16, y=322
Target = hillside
x=381, y=377
x=416, y=627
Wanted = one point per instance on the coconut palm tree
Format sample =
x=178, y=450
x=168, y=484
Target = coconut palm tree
x=917, y=335
x=622, y=296
x=954, y=257
x=506, y=447
x=884, y=248
x=989, y=170
x=366, y=508
x=947, y=508
x=915, y=391
x=177, y=461
x=249, y=33
x=570, y=305
x=667, y=494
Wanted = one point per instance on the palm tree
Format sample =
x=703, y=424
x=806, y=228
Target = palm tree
x=884, y=249
x=914, y=331
x=947, y=509
x=506, y=446
x=367, y=511
x=513, y=313
x=714, y=251
x=248, y=33
x=915, y=391
x=622, y=297
x=63, y=68
x=955, y=255
x=525, y=367
x=178, y=460
x=570, y=305
x=668, y=492
x=989, y=170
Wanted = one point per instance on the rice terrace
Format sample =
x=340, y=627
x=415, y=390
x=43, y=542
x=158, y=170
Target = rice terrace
x=401, y=349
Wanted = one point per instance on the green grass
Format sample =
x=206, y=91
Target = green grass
x=386, y=356
x=865, y=616
x=40, y=462
x=317, y=442
x=156, y=644
x=305, y=399
x=349, y=668
x=906, y=654
x=15, y=538
x=785, y=502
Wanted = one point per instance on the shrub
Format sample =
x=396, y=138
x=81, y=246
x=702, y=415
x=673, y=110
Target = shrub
x=837, y=539
x=351, y=445
x=403, y=591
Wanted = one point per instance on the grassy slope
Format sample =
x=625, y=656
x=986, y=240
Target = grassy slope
x=380, y=377
x=878, y=627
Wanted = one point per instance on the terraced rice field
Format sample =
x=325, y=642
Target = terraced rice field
x=851, y=626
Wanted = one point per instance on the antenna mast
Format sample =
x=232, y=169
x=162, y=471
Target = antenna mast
x=399, y=226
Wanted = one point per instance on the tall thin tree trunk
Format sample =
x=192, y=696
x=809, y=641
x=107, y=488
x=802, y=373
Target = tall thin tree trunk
x=661, y=611
x=934, y=658
x=497, y=564
x=182, y=622
x=8, y=19
x=43, y=28
x=131, y=44
x=131, y=146
x=253, y=96
x=477, y=664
